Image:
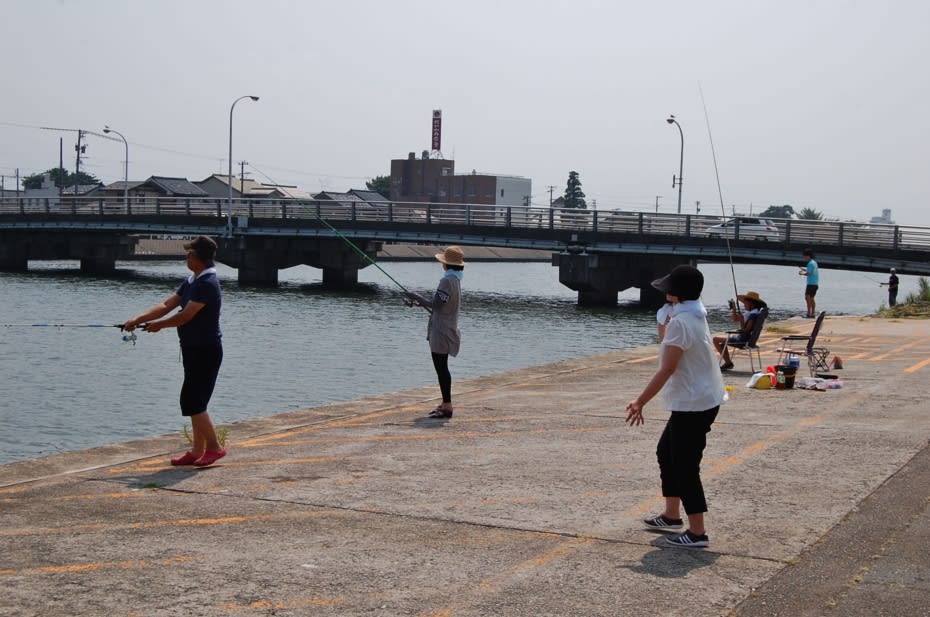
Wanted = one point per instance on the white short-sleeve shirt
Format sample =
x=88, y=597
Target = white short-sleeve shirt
x=696, y=384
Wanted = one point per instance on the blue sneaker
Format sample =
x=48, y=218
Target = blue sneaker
x=686, y=540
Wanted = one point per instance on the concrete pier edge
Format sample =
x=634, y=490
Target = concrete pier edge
x=526, y=503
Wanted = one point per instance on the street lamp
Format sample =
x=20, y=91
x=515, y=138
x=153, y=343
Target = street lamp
x=107, y=129
x=671, y=120
x=229, y=202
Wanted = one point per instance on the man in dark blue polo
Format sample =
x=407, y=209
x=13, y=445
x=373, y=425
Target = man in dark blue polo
x=198, y=323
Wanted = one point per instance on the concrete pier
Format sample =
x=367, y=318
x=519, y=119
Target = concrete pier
x=527, y=502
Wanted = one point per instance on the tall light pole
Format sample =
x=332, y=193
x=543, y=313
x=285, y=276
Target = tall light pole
x=671, y=120
x=107, y=129
x=229, y=202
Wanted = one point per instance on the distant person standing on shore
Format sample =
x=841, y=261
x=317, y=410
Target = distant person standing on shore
x=442, y=332
x=198, y=324
x=812, y=272
x=892, y=288
x=692, y=390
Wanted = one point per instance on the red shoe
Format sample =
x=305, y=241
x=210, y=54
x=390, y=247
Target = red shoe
x=209, y=458
x=185, y=459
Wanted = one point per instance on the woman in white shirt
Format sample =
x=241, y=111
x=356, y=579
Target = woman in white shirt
x=692, y=390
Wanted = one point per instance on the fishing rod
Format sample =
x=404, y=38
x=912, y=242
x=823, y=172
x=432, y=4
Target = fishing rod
x=129, y=337
x=719, y=192
x=411, y=296
x=61, y=325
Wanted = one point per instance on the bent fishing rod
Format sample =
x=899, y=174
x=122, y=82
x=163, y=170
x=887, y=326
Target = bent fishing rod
x=411, y=297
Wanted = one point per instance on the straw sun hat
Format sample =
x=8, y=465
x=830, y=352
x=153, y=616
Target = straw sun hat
x=453, y=256
x=752, y=296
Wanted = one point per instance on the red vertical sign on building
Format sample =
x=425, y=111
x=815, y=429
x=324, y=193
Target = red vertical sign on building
x=437, y=129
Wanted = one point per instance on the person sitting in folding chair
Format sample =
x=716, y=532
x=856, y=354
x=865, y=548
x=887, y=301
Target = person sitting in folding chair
x=753, y=305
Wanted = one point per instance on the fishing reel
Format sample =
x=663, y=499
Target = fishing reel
x=130, y=337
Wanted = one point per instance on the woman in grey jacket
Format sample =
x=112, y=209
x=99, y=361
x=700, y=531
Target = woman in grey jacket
x=443, y=329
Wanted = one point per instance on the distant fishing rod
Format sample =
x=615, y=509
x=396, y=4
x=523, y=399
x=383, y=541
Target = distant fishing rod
x=719, y=191
x=410, y=295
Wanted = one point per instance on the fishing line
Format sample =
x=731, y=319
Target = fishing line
x=719, y=193
x=350, y=243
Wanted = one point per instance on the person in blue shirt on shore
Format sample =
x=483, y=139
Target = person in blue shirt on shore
x=198, y=323
x=812, y=272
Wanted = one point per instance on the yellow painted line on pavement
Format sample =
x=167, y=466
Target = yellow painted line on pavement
x=158, y=524
x=897, y=350
x=80, y=568
x=916, y=367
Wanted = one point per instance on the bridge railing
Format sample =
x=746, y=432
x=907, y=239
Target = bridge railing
x=795, y=231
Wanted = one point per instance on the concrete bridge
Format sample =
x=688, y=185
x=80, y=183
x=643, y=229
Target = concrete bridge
x=598, y=252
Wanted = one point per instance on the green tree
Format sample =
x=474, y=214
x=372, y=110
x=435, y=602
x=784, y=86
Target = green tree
x=574, y=196
x=778, y=212
x=809, y=214
x=380, y=184
x=60, y=177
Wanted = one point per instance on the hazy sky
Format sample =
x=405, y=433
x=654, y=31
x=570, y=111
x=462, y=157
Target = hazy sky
x=819, y=104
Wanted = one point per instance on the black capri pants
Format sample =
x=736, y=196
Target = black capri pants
x=201, y=367
x=680, y=450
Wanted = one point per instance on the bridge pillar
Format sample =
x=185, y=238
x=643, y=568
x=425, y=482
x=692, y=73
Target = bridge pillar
x=258, y=270
x=258, y=259
x=13, y=254
x=98, y=264
x=599, y=277
x=338, y=278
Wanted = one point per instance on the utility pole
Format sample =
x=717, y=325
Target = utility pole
x=551, y=188
x=61, y=165
x=697, y=207
x=242, y=165
x=657, y=203
x=80, y=150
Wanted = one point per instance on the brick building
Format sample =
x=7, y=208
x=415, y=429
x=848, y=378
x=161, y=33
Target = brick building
x=434, y=180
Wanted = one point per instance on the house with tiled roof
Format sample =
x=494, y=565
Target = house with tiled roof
x=217, y=185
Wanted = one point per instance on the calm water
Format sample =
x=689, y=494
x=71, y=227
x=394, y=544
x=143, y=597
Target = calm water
x=301, y=346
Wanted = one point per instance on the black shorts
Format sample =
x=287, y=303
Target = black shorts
x=810, y=290
x=201, y=367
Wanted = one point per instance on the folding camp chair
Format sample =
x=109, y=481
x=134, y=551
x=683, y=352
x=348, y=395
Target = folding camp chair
x=751, y=344
x=816, y=356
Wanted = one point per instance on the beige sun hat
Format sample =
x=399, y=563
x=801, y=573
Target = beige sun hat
x=453, y=256
x=752, y=296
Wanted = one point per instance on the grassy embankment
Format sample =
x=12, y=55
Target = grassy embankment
x=915, y=305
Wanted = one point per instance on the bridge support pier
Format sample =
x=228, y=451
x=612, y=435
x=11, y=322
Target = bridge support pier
x=599, y=277
x=258, y=259
x=13, y=255
x=98, y=264
x=337, y=278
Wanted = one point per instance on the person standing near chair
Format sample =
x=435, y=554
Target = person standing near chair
x=752, y=306
x=812, y=272
x=692, y=390
x=892, y=288
x=442, y=331
x=198, y=324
